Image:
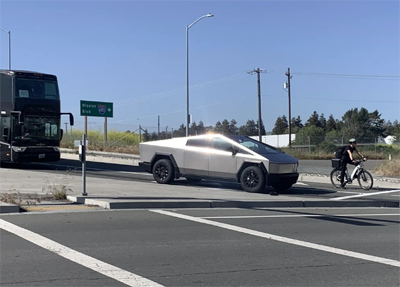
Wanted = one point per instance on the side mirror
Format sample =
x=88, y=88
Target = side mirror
x=61, y=134
x=233, y=150
x=5, y=133
x=71, y=118
x=14, y=113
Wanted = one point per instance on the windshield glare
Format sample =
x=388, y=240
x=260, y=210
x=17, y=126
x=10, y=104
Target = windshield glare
x=256, y=146
x=38, y=128
x=36, y=89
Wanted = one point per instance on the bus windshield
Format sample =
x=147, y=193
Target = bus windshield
x=38, y=128
x=36, y=89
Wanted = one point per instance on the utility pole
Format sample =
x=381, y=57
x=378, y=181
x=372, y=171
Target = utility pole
x=66, y=128
x=166, y=132
x=258, y=71
x=287, y=85
x=140, y=134
x=158, y=125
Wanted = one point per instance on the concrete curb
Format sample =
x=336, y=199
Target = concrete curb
x=109, y=203
x=9, y=208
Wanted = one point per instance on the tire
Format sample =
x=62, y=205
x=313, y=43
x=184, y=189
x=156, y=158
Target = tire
x=365, y=177
x=282, y=186
x=193, y=179
x=163, y=171
x=252, y=179
x=335, y=177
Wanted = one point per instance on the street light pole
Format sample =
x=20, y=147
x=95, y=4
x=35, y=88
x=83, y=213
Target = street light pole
x=187, y=70
x=9, y=47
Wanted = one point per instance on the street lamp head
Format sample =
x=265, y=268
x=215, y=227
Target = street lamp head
x=210, y=15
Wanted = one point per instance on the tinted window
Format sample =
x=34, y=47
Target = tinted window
x=221, y=144
x=36, y=89
x=199, y=142
x=255, y=146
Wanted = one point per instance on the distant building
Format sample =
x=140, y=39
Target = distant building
x=278, y=141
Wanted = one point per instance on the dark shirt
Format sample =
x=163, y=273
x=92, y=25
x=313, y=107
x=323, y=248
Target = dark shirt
x=346, y=155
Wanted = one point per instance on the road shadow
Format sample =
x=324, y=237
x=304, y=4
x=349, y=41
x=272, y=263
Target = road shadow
x=67, y=164
x=353, y=220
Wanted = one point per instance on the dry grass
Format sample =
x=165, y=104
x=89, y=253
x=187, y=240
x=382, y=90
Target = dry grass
x=58, y=192
x=389, y=168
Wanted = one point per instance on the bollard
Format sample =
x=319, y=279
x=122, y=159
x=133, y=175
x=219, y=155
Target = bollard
x=390, y=157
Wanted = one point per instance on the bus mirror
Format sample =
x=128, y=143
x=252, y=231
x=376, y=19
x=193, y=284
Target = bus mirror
x=19, y=117
x=71, y=120
x=62, y=133
x=5, y=133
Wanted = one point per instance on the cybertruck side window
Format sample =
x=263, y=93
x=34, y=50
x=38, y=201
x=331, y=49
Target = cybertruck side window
x=206, y=143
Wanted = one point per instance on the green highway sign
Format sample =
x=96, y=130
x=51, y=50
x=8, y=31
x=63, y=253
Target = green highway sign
x=96, y=109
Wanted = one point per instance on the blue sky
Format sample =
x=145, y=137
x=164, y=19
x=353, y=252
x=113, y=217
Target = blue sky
x=133, y=53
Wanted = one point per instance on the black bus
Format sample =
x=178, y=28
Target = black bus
x=30, y=119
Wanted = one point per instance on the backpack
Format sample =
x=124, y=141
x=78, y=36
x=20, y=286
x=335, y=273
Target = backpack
x=339, y=152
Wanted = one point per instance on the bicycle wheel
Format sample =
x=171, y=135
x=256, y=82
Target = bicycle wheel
x=365, y=180
x=335, y=177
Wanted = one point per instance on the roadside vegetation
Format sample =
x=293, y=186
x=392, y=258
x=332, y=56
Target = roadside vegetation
x=316, y=139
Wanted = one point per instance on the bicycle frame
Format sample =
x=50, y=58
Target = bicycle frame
x=357, y=170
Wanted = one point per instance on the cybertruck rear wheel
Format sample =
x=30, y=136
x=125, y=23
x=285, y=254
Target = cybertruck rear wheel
x=163, y=171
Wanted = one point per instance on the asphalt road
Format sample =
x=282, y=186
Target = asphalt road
x=229, y=247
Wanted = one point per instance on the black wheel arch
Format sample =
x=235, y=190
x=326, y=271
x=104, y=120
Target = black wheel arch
x=247, y=164
x=157, y=156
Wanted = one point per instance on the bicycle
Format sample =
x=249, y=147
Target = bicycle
x=363, y=176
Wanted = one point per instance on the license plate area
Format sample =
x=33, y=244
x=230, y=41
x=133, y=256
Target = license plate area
x=42, y=155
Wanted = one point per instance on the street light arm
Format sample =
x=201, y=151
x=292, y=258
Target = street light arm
x=5, y=30
x=208, y=15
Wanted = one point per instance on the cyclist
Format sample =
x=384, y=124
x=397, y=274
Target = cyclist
x=347, y=157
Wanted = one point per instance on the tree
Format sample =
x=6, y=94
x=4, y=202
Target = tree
x=146, y=135
x=310, y=135
x=249, y=129
x=233, y=129
x=181, y=132
x=322, y=121
x=193, y=129
x=396, y=129
x=330, y=124
x=281, y=126
x=200, y=128
x=296, y=125
x=389, y=128
x=361, y=124
x=313, y=120
x=154, y=136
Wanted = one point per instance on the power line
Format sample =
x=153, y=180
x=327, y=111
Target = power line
x=338, y=99
x=353, y=76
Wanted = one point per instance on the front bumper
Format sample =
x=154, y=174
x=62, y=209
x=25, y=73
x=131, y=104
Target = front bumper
x=287, y=178
x=45, y=154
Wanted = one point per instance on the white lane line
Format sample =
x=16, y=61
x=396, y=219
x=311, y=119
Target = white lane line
x=101, y=267
x=283, y=239
x=366, y=194
x=297, y=215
